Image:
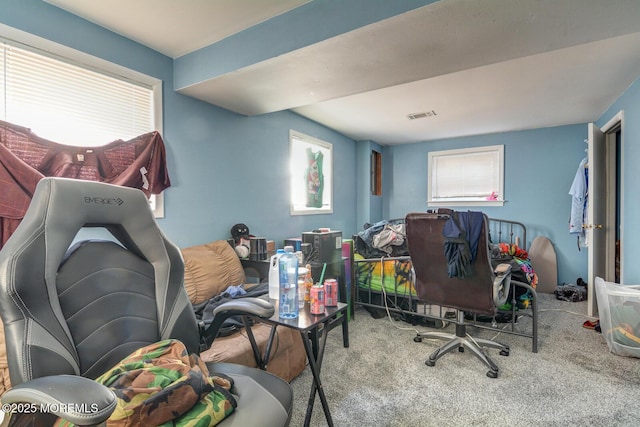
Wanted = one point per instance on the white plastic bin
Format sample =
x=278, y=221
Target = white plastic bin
x=619, y=310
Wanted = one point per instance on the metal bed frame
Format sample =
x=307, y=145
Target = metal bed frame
x=409, y=308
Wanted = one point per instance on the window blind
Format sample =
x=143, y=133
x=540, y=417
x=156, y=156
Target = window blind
x=68, y=103
x=464, y=175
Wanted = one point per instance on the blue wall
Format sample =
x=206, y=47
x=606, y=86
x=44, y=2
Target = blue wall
x=231, y=168
x=225, y=168
x=539, y=169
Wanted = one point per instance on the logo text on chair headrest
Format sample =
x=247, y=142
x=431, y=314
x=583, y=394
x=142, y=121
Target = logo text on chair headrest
x=103, y=200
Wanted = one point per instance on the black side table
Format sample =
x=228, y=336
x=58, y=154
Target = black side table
x=314, y=329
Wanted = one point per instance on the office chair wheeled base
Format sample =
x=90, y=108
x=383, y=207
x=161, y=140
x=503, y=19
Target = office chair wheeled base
x=460, y=341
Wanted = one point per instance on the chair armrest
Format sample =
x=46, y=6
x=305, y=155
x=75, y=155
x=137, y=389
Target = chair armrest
x=502, y=269
x=79, y=400
x=501, y=284
x=252, y=307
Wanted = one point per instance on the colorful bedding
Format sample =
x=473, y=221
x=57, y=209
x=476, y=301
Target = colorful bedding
x=394, y=275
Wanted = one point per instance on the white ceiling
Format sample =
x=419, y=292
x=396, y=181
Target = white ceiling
x=482, y=66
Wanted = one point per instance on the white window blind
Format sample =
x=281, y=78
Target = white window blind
x=68, y=103
x=468, y=176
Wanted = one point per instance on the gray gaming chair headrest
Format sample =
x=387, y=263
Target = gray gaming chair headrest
x=30, y=259
x=61, y=207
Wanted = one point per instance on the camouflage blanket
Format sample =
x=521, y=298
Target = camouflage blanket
x=162, y=385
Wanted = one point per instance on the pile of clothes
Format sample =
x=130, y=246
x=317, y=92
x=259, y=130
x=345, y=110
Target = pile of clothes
x=382, y=239
x=572, y=293
x=162, y=384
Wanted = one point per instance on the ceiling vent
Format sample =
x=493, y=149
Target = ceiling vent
x=423, y=115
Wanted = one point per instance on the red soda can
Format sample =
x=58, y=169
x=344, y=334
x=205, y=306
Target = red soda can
x=316, y=299
x=330, y=293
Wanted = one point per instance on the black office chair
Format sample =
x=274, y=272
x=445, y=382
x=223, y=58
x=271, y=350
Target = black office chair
x=480, y=289
x=71, y=314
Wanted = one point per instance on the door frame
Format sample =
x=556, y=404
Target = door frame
x=610, y=129
x=608, y=176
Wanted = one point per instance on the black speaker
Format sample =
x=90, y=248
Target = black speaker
x=326, y=247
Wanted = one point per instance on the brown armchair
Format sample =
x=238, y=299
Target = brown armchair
x=479, y=289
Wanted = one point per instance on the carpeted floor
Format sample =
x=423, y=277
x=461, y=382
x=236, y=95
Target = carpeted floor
x=381, y=379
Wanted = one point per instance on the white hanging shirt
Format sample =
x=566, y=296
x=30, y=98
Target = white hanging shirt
x=579, y=196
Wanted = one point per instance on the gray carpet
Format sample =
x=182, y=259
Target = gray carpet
x=381, y=379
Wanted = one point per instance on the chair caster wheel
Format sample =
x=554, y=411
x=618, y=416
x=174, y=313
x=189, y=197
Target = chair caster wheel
x=504, y=352
x=492, y=374
x=417, y=339
x=430, y=362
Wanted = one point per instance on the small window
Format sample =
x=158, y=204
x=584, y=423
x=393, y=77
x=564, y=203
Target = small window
x=311, y=175
x=376, y=173
x=466, y=177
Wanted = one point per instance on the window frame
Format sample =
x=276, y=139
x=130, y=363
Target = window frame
x=498, y=174
x=298, y=143
x=376, y=173
x=48, y=48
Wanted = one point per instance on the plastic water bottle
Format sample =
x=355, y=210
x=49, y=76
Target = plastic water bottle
x=302, y=273
x=288, y=262
x=274, y=275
